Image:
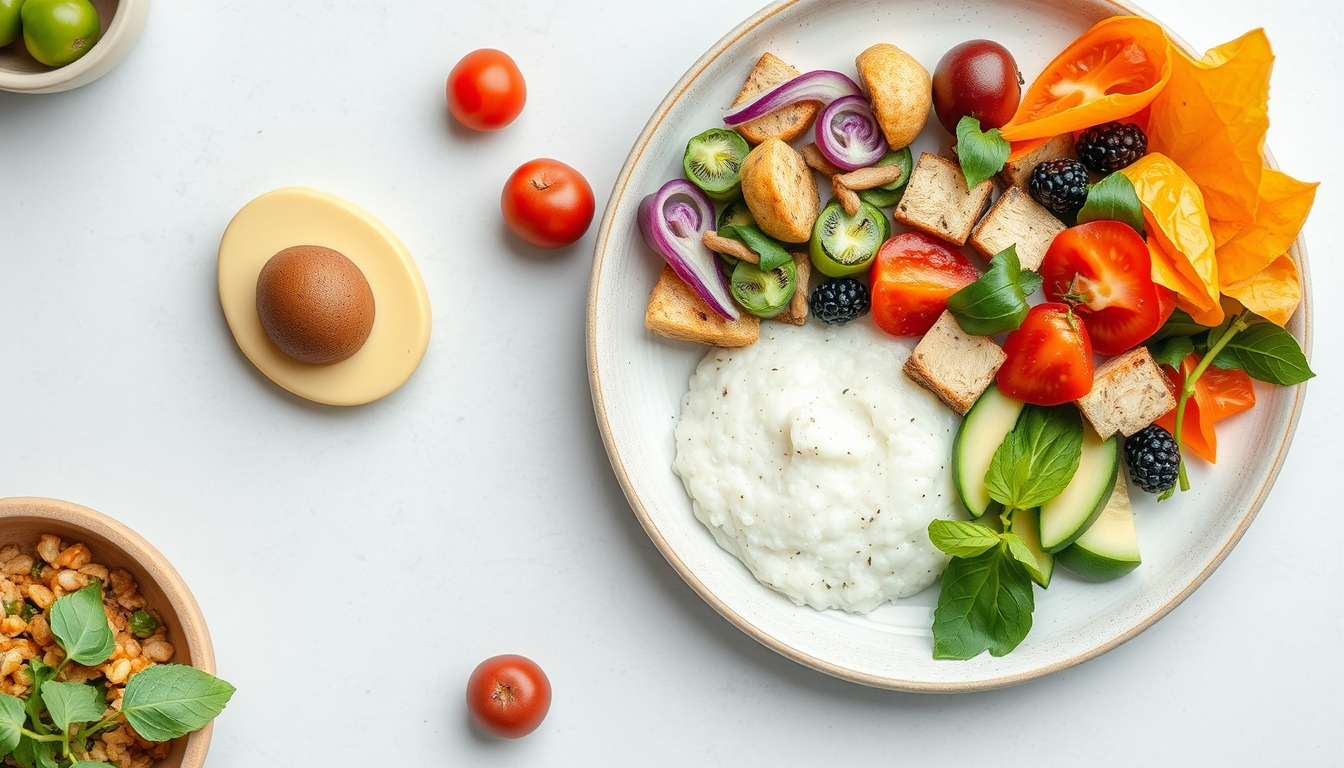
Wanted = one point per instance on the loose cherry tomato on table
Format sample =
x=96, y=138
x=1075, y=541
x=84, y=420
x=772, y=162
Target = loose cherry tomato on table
x=912, y=277
x=547, y=203
x=508, y=696
x=1103, y=270
x=486, y=90
x=1049, y=357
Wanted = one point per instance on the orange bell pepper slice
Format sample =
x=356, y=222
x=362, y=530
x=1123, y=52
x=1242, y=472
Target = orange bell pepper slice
x=1272, y=293
x=1218, y=394
x=1112, y=72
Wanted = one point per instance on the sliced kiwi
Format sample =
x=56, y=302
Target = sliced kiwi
x=736, y=213
x=713, y=162
x=844, y=245
x=887, y=196
x=763, y=293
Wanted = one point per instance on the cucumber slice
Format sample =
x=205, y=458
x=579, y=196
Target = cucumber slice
x=1109, y=548
x=845, y=245
x=982, y=431
x=1066, y=516
x=763, y=293
x=1026, y=523
x=713, y=162
x=889, y=195
x=735, y=213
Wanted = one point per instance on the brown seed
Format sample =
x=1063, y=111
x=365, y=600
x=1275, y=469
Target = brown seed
x=315, y=304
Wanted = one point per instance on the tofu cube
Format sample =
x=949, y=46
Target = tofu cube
x=1018, y=170
x=677, y=312
x=936, y=200
x=954, y=365
x=1129, y=392
x=1017, y=219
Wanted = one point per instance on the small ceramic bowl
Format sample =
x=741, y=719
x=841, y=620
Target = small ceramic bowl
x=122, y=21
x=24, y=520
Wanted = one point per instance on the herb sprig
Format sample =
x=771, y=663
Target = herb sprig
x=161, y=702
x=981, y=153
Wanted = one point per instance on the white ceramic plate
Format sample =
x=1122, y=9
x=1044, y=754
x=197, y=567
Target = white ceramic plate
x=638, y=379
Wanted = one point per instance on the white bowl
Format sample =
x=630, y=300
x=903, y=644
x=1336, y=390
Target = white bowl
x=122, y=22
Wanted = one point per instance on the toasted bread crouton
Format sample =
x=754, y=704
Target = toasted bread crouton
x=1018, y=169
x=936, y=200
x=1016, y=219
x=954, y=365
x=780, y=191
x=677, y=312
x=796, y=312
x=900, y=89
x=785, y=123
x=1129, y=392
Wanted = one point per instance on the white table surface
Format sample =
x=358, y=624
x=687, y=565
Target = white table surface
x=355, y=564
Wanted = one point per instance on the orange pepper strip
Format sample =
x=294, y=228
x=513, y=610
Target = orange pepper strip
x=1113, y=71
x=1272, y=293
x=1218, y=394
x=1284, y=203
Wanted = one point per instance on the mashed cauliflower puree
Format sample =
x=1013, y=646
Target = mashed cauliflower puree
x=813, y=459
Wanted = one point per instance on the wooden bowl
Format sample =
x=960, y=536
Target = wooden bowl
x=122, y=21
x=24, y=520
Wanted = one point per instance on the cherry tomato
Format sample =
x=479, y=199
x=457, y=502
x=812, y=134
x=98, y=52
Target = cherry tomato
x=1049, y=357
x=547, y=203
x=1218, y=394
x=913, y=275
x=59, y=32
x=1103, y=269
x=508, y=696
x=977, y=78
x=485, y=90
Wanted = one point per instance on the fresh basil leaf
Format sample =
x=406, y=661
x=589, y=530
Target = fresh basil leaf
x=170, y=700
x=1030, y=281
x=72, y=703
x=1179, y=324
x=959, y=538
x=81, y=627
x=1038, y=458
x=985, y=605
x=995, y=303
x=1018, y=549
x=1172, y=351
x=1113, y=198
x=1268, y=353
x=11, y=723
x=41, y=674
x=982, y=154
x=34, y=754
x=771, y=252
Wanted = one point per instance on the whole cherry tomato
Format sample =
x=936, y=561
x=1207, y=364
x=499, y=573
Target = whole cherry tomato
x=1103, y=270
x=1049, y=357
x=547, y=203
x=977, y=78
x=912, y=278
x=485, y=90
x=508, y=696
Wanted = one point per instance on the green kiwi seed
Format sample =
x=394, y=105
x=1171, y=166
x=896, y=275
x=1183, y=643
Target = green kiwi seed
x=763, y=293
x=713, y=162
x=844, y=245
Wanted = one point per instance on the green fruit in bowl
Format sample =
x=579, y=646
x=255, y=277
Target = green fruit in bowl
x=9, y=21
x=59, y=32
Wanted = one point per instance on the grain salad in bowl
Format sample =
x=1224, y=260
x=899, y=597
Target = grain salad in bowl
x=95, y=663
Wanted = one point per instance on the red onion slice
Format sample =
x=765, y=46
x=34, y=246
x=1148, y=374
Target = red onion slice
x=822, y=85
x=672, y=221
x=848, y=135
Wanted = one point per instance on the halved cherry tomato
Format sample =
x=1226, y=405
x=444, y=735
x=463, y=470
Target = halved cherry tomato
x=1102, y=268
x=1218, y=394
x=1049, y=357
x=1113, y=71
x=912, y=278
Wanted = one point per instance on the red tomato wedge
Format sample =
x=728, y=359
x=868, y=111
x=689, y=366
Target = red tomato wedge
x=1110, y=73
x=1103, y=270
x=1218, y=394
x=1049, y=357
x=913, y=275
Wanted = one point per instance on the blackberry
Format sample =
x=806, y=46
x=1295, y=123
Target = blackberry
x=1153, y=459
x=1108, y=147
x=1059, y=185
x=839, y=300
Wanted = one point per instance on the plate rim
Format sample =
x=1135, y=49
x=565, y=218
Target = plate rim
x=1298, y=252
